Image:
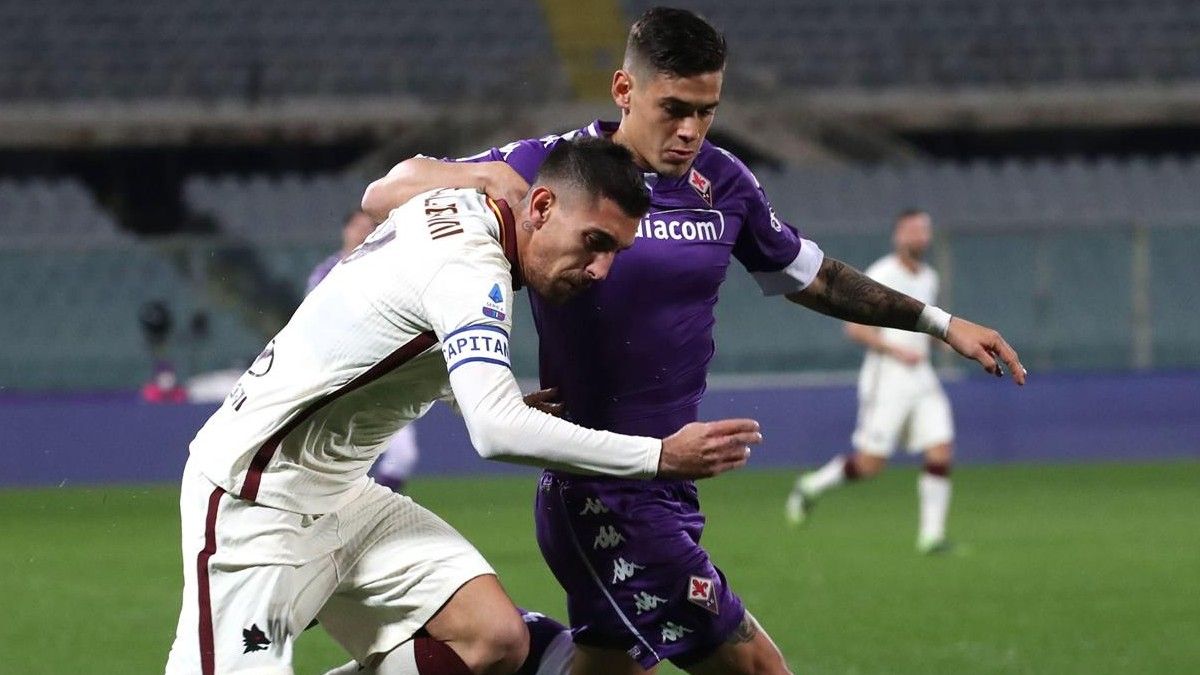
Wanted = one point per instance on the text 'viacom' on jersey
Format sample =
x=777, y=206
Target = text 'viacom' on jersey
x=683, y=225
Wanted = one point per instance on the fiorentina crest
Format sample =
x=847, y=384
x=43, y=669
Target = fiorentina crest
x=703, y=592
x=701, y=185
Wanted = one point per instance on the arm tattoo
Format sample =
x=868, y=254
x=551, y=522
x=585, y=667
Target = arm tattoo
x=845, y=293
x=745, y=631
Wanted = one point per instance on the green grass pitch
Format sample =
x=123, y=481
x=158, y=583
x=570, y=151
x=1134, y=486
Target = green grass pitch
x=1061, y=569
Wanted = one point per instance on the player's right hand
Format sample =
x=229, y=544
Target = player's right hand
x=706, y=449
x=501, y=181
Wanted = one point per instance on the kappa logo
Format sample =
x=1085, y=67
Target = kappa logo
x=644, y=602
x=672, y=631
x=703, y=592
x=607, y=537
x=623, y=569
x=254, y=639
x=776, y=223
x=494, y=308
x=701, y=185
x=593, y=506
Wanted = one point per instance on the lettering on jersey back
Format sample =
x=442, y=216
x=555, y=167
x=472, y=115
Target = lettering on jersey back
x=441, y=215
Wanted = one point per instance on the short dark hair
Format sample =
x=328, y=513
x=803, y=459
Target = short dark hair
x=676, y=42
x=909, y=213
x=600, y=168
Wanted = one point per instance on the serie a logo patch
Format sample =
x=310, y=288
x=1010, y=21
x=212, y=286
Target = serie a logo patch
x=702, y=591
x=494, y=306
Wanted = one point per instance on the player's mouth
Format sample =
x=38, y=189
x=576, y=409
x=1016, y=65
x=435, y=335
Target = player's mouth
x=675, y=155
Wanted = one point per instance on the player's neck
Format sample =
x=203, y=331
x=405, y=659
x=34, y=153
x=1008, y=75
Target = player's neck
x=620, y=137
x=910, y=263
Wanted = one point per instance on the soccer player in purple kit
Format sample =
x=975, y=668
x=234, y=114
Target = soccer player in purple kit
x=632, y=356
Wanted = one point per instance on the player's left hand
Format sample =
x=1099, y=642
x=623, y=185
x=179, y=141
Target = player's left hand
x=986, y=346
x=547, y=401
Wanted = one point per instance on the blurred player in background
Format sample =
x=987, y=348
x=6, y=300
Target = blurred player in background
x=640, y=587
x=899, y=397
x=280, y=523
x=396, y=464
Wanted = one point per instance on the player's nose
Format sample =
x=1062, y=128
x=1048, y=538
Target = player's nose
x=598, y=269
x=689, y=129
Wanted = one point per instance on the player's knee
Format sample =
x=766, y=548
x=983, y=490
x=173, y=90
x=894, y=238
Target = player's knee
x=500, y=648
x=868, y=466
x=942, y=454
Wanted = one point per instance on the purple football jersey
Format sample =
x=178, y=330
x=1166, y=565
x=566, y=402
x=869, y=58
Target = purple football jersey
x=631, y=354
x=321, y=271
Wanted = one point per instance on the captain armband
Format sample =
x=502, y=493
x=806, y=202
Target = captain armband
x=476, y=344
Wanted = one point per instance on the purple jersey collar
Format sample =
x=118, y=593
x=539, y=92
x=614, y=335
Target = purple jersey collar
x=605, y=129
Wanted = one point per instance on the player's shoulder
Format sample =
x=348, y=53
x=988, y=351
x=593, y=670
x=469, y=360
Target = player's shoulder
x=883, y=267
x=455, y=222
x=542, y=145
x=723, y=168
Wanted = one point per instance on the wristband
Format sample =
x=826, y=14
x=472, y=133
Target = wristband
x=935, y=321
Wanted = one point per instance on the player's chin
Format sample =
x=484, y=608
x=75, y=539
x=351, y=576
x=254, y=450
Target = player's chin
x=674, y=167
x=562, y=291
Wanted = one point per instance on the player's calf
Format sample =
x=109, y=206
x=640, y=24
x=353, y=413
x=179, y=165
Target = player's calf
x=749, y=651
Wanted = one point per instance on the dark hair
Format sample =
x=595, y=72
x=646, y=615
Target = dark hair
x=909, y=213
x=600, y=168
x=676, y=42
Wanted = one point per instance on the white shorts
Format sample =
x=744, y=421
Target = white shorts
x=254, y=577
x=888, y=416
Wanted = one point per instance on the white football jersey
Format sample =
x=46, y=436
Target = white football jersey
x=360, y=358
x=922, y=285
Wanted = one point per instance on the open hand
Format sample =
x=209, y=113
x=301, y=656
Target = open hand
x=986, y=346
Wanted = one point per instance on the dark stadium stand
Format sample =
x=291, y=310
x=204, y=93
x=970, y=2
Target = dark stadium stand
x=955, y=43
x=200, y=49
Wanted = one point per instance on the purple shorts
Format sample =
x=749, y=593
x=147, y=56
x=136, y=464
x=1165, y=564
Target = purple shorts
x=628, y=555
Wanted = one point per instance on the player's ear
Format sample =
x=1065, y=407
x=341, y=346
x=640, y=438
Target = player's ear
x=541, y=201
x=622, y=85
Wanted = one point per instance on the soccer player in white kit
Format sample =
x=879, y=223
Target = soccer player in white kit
x=280, y=522
x=899, y=397
x=395, y=465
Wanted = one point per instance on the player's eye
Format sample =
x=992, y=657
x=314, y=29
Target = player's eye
x=599, y=242
x=676, y=111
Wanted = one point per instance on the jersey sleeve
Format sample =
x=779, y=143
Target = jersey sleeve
x=774, y=252
x=525, y=157
x=468, y=305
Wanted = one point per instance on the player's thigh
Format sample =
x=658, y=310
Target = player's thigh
x=243, y=604
x=932, y=422
x=598, y=661
x=638, y=582
x=401, y=564
x=749, y=651
x=881, y=420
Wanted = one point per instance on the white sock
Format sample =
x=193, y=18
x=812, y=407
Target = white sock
x=934, y=492
x=827, y=477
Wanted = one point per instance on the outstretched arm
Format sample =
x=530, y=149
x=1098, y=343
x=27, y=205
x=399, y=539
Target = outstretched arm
x=843, y=292
x=421, y=174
